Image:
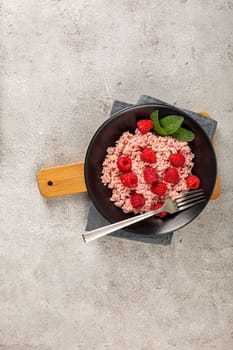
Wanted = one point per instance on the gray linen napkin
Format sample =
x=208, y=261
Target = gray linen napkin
x=95, y=219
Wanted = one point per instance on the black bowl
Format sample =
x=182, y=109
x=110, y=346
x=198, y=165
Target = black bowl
x=110, y=131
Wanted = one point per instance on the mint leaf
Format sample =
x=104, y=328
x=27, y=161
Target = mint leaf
x=183, y=134
x=171, y=123
x=157, y=127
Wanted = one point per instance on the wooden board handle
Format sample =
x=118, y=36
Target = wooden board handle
x=69, y=179
x=62, y=180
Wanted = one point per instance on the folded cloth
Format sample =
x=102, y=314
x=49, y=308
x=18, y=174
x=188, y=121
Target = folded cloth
x=96, y=220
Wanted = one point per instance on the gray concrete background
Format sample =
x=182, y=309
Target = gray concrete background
x=62, y=63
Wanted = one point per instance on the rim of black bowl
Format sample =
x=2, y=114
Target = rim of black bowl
x=115, y=115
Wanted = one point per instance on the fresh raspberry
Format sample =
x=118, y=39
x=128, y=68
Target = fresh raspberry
x=193, y=182
x=144, y=125
x=124, y=164
x=129, y=180
x=148, y=155
x=157, y=206
x=159, y=188
x=137, y=200
x=177, y=159
x=150, y=175
x=171, y=176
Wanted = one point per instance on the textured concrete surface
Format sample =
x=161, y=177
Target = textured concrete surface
x=62, y=63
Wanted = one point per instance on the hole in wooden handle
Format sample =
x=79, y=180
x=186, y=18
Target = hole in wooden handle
x=62, y=180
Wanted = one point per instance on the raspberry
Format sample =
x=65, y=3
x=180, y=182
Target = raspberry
x=137, y=200
x=177, y=159
x=124, y=164
x=148, y=155
x=150, y=175
x=193, y=182
x=129, y=180
x=171, y=176
x=159, y=188
x=144, y=125
x=157, y=206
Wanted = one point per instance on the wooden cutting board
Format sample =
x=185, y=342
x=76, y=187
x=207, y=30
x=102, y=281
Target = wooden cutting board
x=69, y=179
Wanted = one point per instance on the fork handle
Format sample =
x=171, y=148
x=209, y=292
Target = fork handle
x=103, y=231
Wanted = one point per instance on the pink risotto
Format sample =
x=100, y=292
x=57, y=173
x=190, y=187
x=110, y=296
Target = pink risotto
x=131, y=146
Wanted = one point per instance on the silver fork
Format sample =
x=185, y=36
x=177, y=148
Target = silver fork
x=183, y=202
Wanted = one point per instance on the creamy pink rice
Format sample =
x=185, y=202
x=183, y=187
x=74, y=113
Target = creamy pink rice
x=131, y=145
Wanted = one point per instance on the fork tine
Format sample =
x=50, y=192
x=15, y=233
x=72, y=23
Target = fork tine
x=191, y=200
x=190, y=194
x=188, y=199
x=192, y=204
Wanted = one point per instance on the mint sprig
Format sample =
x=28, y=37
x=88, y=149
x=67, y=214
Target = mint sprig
x=171, y=125
x=183, y=134
x=157, y=127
